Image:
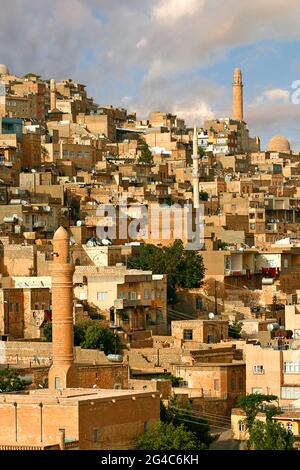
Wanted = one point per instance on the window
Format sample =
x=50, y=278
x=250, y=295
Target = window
x=297, y=334
x=36, y=306
x=122, y=295
x=242, y=426
x=199, y=303
x=290, y=392
x=258, y=369
x=96, y=436
x=146, y=294
x=289, y=427
x=158, y=294
x=291, y=367
x=285, y=263
x=17, y=308
x=101, y=295
x=57, y=383
x=188, y=335
x=132, y=295
x=233, y=384
x=216, y=385
x=10, y=307
x=241, y=383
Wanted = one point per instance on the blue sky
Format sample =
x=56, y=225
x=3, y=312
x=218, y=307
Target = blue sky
x=172, y=55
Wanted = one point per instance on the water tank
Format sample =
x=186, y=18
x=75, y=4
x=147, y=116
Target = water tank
x=115, y=357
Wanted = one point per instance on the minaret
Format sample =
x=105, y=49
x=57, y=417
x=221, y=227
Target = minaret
x=61, y=373
x=52, y=95
x=195, y=158
x=237, y=95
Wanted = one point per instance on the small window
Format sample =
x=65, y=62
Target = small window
x=216, y=385
x=241, y=383
x=57, y=383
x=289, y=427
x=17, y=308
x=242, y=426
x=233, y=384
x=187, y=335
x=122, y=295
x=101, y=295
x=258, y=369
x=131, y=295
x=11, y=308
x=96, y=436
x=146, y=294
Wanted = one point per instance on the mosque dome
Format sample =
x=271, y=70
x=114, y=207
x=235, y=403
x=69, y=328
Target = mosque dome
x=4, y=70
x=279, y=143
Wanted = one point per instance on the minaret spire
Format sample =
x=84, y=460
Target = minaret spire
x=61, y=373
x=195, y=158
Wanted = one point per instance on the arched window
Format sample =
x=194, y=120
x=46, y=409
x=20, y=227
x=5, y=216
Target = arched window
x=289, y=427
x=242, y=426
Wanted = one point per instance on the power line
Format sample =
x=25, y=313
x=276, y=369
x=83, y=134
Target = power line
x=204, y=415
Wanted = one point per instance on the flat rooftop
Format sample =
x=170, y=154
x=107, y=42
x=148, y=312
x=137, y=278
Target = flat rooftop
x=71, y=396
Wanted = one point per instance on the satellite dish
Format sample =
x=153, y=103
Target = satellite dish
x=105, y=242
x=211, y=315
x=270, y=327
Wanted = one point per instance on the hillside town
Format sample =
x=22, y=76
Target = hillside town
x=109, y=310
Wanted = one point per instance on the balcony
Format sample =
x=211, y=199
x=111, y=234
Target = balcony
x=120, y=304
x=233, y=272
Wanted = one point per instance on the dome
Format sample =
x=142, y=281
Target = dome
x=279, y=143
x=4, y=70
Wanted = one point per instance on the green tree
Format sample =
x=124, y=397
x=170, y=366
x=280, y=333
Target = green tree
x=10, y=381
x=235, y=329
x=203, y=196
x=253, y=404
x=90, y=334
x=179, y=413
x=183, y=268
x=104, y=339
x=270, y=436
x=32, y=75
x=166, y=436
x=146, y=155
x=47, y=331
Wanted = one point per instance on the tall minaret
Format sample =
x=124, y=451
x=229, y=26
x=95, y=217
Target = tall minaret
x=195, y=158
x=52, y=95
x=61, y=373
x=237, y=95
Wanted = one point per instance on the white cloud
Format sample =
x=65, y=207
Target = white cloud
x=141, y=43
x=173, y=10
x=194, y=112
x=274, y=94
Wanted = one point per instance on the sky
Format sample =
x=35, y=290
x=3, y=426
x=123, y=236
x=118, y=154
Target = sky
x=166, y=55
